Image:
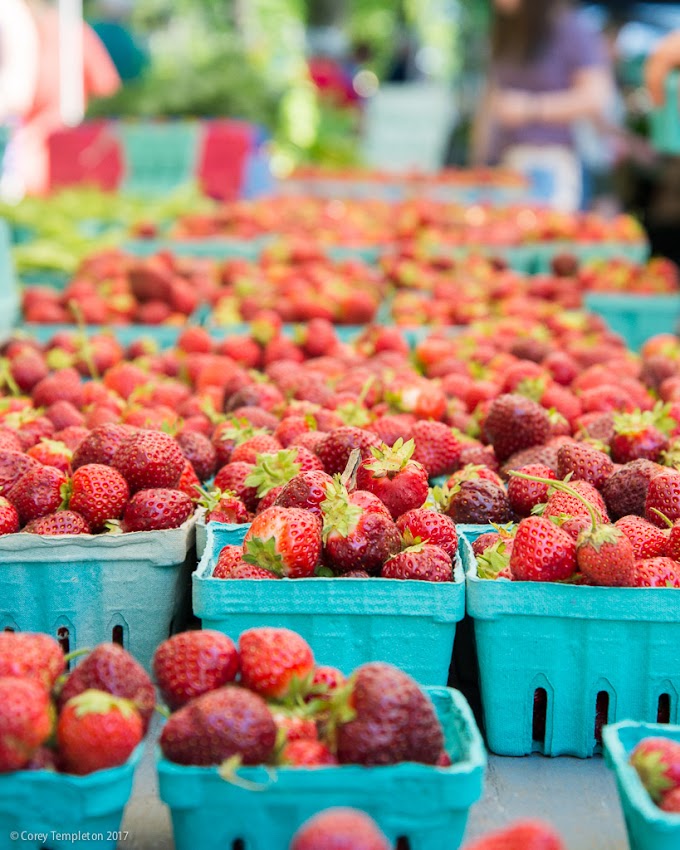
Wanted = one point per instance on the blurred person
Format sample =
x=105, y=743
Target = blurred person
x=110, y=23
x=548, y=71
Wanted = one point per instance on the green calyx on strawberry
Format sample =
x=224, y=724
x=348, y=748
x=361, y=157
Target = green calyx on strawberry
x=338, y=513
x=265, y=553
x=532, y=388
x=442, y=496
x=639, y=421
x=273, y=470
x=390, y=461
x=7, y=379
x=657, y=762
x=100, y=702
x=240, y=431
x=354, y=413
x=494, y=561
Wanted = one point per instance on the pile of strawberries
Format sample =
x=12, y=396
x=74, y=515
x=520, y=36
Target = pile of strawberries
x=657, y=762
x=268, y=702
x=77, y=722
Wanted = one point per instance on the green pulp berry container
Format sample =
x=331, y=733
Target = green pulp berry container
x=215, y=248
x=665, y=121
x=578, y=651
x=649, y=828
x=159, y=156
x=9, y=289
x=59, y=811
x=427, y=805
x=636, y=252
x=636, y=318
x=346, y=621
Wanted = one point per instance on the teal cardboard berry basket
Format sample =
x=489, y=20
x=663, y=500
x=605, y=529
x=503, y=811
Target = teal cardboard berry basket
x=57, y=811
x=648, y=827
x=215, y=248
x=429, y=806
x=636, y=252
x=346, y=621
x=665, y=121
x=552, y=657
x=231, y=533
x=636, y=318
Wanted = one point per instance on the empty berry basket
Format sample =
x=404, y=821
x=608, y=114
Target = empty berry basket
x=557, y=661
x=346, y=621
x=428, y=806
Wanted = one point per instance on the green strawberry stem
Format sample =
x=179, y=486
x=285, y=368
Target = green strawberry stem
x=84, y=345
x=227, y=771
x=163, y=710
x=77, y=653
x=563, y=488
x=663, y=516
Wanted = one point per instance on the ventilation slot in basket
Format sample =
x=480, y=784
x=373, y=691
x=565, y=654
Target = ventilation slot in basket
x=539, y=716
x=117, y=635
x=403, y=843
x=601, y=714
x=64, y=640
x=663, y=713
x=239, y=844
x=8, y=629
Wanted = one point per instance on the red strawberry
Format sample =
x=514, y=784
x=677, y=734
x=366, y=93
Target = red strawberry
x=37, y=493
x=12, y=466
x=98, y=493
x=394, y=721
x=625, y=491
x=149, y=459
x=63, y=384
x=244, y=570
x=232, y=478
x=485, y=541
x=228, y=558
x=636, y=435
x=437, y=447
x=305, y=490
x=223, y=506
x=393, y=426
x=560, y=503
x=336, y=448
x=391, y=475
x=325, y=681
x=220, y=725
x=663, y=495
x=292, y=426
x=188, y=481
x=190, y=664
x=9, y=518
x=111, y=669
x=524, y=495
x=101, y=444
x=248, y=451
x=475, y=501
x=422, y=562
x=96, y=731
x=25, y=721
x=51, y=453
x=604, y=555
x=200, y=453
x=524, y=835
x=648, y=540
x=340, y=829
x=273, y=470
x=473, y=472
x=657, y=572
x=153, y=510
x=286, y=541
x=58, y=523
x=296, y=727
x=515, y=423
x=584, y=462
x=672, y=543
x=31, y=656
x=306, y=753
x=272, y=660
x=657, y=762
x=430, y=527
x=542, y=552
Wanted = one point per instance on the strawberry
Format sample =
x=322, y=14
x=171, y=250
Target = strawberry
x=248, y=451
x=25, y=721
x=9, y=442
x=200, y=453
x=393, y=426
x=625, y=491
x=358, y=531
x=670, y=802
x=542, y=552
x=232, y=478
x=153, y=510
x=422, y=562
x=52, y=453
x=293, y=426
x=657, y=763
x=190, y=664
x=96, y=731
x=31, y=656
x=306, y=753
x=295, y=727
x=647, y=540
x=305, y=490
x=244, y=570
x=485, y=541
x=62, y=384
x=37, y=493
x=98, y=493
x=12, y=466
x=394, y=721
x=273, y=470
x=663, y=495
x=524, y=495
x=493, y=561
x=584, y=463
x=561, y=503
x=515, y=423
x=657, y=572
x=188, y=481
x=473, y=472
x=340, y=829
x=222, y=724
x=672, y=543
x=9, y=518
x=223, y=506
x=437, y=447
x=524, y=835
x=112, y=669
x=474, y=501
x=391, y=475
x=272, y=660
x=543, y=455
x=636, y=435
x=605, y=556
x=228, y=558
x=58, y=523
x=336, y=448
x=286, y=541
x=149, y=460
x=430, y=526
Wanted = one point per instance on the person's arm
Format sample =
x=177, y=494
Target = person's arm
x=482, y=129
x=19, y=58
x=664, y=59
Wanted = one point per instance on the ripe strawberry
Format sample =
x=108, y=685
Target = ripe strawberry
x=672, y=542
x=12, y=466
x=524, y=495
x=96, y=731
x=51, y=453
x=657, y=572
x=670, y=802
x=560, y=503
x=394, y=721
x=543, y=455
x=232, y=478
x=422, y=562
x=636, y=435
x=663, y=495
x=336, y=448
x=340, y=829
x=31, y=656
x=542, y=552
x=190, y=664
x=230, y=434
x=393, y=426
x=223, y=506
x=485, y=541
x=272, y=470
x=358, y=531
x=647, y=540
x=475, y=501
x=9, y=518
x=391, y=475
x=306, y=753
x=200, y=453
x=220, y=725
x=625, y=491
x=149, y=459
x=25, y=721
x=153, y=510
x=325, y=681
x=604, y=555
x=437, y=447
x=61, y=384
x=524, y=835
x=112, y=669
x=228, y=558
x=101, y=444
x=272, y=659
x=98, y=493
x=188, y=481
x=429, y=527
x=657, y=762
x=515, y=423
x=37, y=493
x=286, y=541
x=58, y=523
x=244, y=570
x=248, y=451
x=305, y=490
x=473, y=472
x=295, y=727
x=9, y=442
x=584, y=463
